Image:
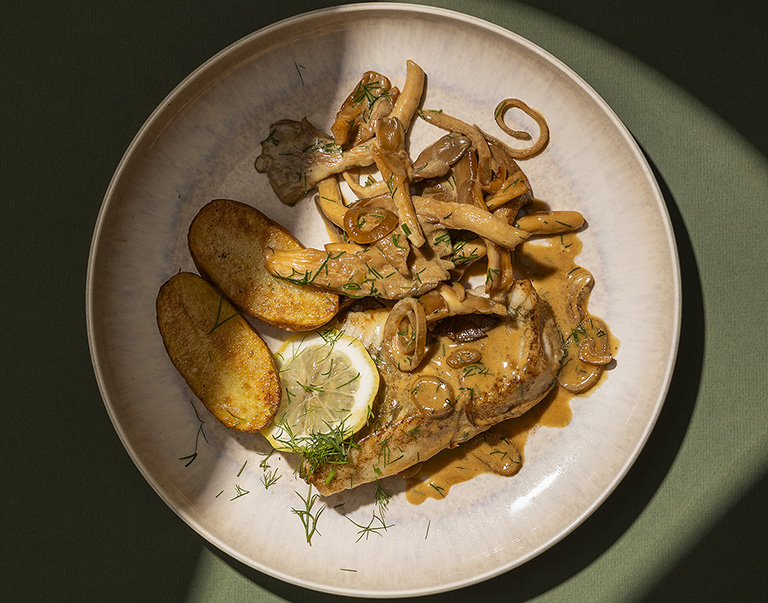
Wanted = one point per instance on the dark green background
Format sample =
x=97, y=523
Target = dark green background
x=79, y=523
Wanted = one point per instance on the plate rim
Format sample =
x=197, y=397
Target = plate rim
x=420, y=11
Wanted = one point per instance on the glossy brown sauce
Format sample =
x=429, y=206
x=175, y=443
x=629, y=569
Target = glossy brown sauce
x=550, y=264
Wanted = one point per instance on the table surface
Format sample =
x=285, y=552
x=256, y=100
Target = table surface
x=688, y=521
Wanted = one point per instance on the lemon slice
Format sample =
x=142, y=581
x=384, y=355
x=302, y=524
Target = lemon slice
x=328, y=383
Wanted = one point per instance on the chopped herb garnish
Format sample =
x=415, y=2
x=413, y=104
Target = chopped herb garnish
x=438, y=489
x=370, y=528
x=191, y=457
x=240, y=420
x=476, y=368
x=271, y=139
x=352, y=380
x=309, y=519
x=383, y=496
x=331, y=447
x=240, y=492
x=217, y=324
x=270, y=476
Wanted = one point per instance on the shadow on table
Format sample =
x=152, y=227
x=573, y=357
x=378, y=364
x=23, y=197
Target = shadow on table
x=590, y=540
x=728, y=563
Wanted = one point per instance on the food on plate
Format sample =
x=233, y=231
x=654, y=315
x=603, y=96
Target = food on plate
x=329, y=383
x=224, y=361
x=423, y=255
x=445, y=302
x=228, y=241
x=460, y=389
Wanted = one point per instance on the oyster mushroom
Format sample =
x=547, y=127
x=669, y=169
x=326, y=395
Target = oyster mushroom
x=296, y=156
x=462, y=216
x=360, y=273
x=436, y=159
x=395, y=166
x=373, y=97
x=408, y=102
x=453, y=124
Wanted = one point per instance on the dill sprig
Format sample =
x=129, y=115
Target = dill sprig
x=269, y=476
x=317, y=449
x=461, y=256
x=307, y=517
x=476, y=368
x=240, y=420
x=439, y=489
x=218, y=323
x=240, y=492
x=191, y=457
x=367, y=530
x=383, y=496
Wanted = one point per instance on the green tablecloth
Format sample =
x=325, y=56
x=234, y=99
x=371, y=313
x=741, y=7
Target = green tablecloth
x=688, y=523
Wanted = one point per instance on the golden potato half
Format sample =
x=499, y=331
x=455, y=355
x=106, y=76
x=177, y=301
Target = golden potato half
x=227, y=240
x=224, y=361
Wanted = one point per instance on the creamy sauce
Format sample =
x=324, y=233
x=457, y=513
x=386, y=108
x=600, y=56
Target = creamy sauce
x=550, y=264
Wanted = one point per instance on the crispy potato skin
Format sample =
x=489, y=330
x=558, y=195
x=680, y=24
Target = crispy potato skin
x=224, y=361
x=227, y=240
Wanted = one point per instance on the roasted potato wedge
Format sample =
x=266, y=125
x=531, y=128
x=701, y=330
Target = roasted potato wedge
x=227, y=240
x=224, y=361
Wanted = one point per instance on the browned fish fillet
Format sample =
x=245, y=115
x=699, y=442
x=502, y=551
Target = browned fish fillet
x=459, y=390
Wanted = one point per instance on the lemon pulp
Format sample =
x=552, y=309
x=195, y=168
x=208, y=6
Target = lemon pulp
x=328, y=382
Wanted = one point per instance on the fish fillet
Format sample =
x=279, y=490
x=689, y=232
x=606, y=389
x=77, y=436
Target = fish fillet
x=518, y=365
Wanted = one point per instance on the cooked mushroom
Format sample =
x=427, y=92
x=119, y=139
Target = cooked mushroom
x=461, y=216
x=466, y=176
x=405, y=344
x=408, y=102
x=587, y=340
x=330, y=203
x=452, y=124
x=550, y=222
x=296, y=156
x=365, y=272
x=453, y=300
x=542, y=139
x=436, y=159
x=371, y=188
x=395, y=167
x=500, y=272
x=373, y=97
x=512, y=187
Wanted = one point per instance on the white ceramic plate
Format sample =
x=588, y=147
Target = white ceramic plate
x=201, y=144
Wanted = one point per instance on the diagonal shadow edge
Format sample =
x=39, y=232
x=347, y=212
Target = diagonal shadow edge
x=626, y=503
x=621, y=509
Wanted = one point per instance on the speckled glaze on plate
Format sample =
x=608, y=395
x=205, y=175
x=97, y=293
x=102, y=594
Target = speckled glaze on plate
x=201, y=144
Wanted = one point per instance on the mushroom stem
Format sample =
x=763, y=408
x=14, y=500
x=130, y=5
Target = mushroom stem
x=394, y=165
x=511, y=188
x=410, y=97
x=330, y=202
x=543, y=138
x=551, y=222
x=461, y=216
